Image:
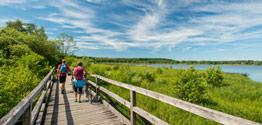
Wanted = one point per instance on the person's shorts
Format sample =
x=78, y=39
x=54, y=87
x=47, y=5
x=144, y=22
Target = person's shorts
x=78, y=84
x=80, y=89
x=62, y=79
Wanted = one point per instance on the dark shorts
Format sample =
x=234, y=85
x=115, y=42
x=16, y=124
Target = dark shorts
x=62, y=79
x=80, y=90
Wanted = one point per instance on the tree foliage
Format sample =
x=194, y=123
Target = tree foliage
x=16, y=83
x=67, y=44
x=190, y=85
x=25, y=58
x=214, y=76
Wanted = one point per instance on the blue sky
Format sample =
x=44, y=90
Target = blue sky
x=175, y=29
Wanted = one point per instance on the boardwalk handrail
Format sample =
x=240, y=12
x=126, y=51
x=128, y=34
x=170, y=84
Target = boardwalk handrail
x=210, y=114
x=24, y=107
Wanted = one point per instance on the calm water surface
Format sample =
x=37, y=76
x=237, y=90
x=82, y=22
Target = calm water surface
x=254, y=72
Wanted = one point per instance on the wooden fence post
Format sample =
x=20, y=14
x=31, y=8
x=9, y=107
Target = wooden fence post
x=97, y=87
x=26, y=117
x=89, y=94
x=132, y=104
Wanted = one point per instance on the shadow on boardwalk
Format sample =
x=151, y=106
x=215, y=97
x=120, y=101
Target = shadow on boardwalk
x=62, y=109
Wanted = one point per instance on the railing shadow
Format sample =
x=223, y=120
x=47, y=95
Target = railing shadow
x=69, y=117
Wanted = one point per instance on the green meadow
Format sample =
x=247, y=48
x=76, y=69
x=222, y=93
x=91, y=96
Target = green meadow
x=233, y=94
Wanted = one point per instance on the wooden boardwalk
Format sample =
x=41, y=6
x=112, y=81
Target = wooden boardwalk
x=62, y=109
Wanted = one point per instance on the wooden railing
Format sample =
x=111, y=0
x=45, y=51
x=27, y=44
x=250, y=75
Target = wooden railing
x=24, y=110
x=210, y=114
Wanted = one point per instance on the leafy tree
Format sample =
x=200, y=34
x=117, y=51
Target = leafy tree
x=17, y=25
x=25, y=55
x=66, y=42
x=27, y=28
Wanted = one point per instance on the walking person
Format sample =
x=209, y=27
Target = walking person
x=79, y=81
x=62, y=71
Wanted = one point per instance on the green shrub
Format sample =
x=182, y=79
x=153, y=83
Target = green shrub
x=115, y=67
x=124, y=74
x=147, y=75
x=36, y=63
x=214, y=76
x=71, y=60
x=190, y=86
x=16, y=83
x=159, y=70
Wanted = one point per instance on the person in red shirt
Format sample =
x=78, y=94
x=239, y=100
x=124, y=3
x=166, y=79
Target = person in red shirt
x=62, y=72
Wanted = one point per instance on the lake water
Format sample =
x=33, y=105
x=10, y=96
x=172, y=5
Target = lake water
x=254, y=72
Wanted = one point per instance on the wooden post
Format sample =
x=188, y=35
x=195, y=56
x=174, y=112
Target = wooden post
x=90, y=95
x=132, y=104
x=26, y=117
x=97, y=87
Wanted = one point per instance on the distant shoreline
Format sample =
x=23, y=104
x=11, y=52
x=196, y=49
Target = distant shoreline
x=179, y=64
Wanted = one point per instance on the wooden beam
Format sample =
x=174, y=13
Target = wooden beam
x=26, y=117
x=149, y=116
x=132, y=105
x=97, y=87
x=115, y=96
x=38, y=107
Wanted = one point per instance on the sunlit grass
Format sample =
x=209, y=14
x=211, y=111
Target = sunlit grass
x=239, y=96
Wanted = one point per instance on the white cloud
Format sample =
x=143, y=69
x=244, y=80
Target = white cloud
x=8, y=2
x=94, y=1
x=153, y=24
x=77, y=31
x=39, y=6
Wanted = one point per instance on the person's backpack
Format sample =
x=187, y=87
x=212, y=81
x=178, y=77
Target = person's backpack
x=63, y=69
x=79, y=73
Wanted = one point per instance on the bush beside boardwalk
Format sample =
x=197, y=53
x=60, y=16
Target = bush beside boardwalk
x=26, y=56
x=236, y=94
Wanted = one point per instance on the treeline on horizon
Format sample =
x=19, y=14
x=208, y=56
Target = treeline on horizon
x=168, y=61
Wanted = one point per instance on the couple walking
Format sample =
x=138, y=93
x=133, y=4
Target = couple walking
x=78, y=75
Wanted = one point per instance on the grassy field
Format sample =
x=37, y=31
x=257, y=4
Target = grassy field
x=238, y=96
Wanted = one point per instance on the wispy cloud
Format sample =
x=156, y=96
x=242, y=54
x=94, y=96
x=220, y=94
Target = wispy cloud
x=38, y=6
x=8, y=2
x=159, y=23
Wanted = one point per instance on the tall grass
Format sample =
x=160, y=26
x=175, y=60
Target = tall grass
x=238, y=96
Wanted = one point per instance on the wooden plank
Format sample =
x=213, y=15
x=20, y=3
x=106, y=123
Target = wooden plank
x=37, y=107
x=117, y=113
x=12, y=116
x=39, y=120
x=66, y=111
x=97, y=88
x=132, y=104
x=49, y=91
x=143, y=113
x=48, y=84
x=210, y=114
x=149, y=116
x=118, y=98
x=26, y=117
x=123, y=118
